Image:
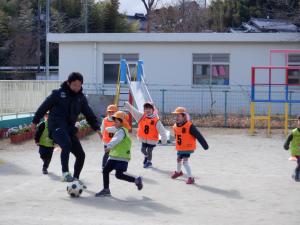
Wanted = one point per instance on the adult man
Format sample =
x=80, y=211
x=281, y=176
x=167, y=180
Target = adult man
x=64, y=106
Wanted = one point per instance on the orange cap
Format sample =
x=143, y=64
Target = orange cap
x=179, y=110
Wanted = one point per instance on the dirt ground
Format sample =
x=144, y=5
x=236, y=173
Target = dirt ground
x=241, y=179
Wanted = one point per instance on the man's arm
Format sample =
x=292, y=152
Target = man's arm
x=48, y=103
x=39, y=132
x=89, y=115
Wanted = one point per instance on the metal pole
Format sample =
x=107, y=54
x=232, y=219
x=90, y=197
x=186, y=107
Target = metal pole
x=39, y=37
x=47, y=43
x=225, y=109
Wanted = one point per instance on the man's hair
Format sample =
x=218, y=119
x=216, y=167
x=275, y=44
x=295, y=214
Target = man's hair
x=75, y=76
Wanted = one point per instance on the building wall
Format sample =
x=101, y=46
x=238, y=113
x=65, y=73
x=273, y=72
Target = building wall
x=168, y=64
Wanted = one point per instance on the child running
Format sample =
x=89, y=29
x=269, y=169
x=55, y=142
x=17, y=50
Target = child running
x=293, y=142
x=185, y=136
x=119, y=154
x=46, y=145
x=106, y=136
x=149, y=128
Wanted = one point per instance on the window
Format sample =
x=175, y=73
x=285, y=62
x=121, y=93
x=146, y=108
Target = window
x=294, y=74
x=111, y=66
x=211, y=69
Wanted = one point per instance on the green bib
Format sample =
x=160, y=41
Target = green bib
x=122, y=150
x=295, y=144
x=44, y=139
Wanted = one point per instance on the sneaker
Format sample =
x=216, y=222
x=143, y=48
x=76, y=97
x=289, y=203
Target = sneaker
x=45, y=171
x=176, y=174
x=139, y=183
x=145, y=160
x=190, y=180
x=67, y=177
x=148, y=164
x=81, y=183
x=103, y=193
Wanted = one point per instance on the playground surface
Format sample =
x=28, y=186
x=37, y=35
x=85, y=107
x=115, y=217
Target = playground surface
x=241, y=179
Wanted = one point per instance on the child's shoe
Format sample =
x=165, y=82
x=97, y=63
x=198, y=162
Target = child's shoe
x=190, y=180
x=103, y=193
x=139, y=183
x=67, y=177
x=45, y=171
x=176, y=174
x=148, y=164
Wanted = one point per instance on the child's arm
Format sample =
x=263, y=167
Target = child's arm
x=40, y=129
x=117, y=138
x=137, y=115
x=162, y=132
x=112, y=129
x=286, y=145
x=194, y=131
x=102, y=127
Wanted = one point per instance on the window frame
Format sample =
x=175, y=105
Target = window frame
x=211, y=63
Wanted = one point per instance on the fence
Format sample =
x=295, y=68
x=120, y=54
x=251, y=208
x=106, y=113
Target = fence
x=229, y=107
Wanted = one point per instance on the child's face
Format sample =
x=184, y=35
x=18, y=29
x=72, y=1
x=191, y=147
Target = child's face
x=298, y=124
x=148, y=111
x=46, y=117
x=179, y=118
x=110, y=113
x=118, y=123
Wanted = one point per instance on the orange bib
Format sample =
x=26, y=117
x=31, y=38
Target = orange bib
x=106, y=135
x=147, y=128
x=184, y=140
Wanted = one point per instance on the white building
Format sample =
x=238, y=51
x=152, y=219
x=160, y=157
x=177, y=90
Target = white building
x=189, y=61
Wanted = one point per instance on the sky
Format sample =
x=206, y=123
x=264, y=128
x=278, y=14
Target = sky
x=136, y=6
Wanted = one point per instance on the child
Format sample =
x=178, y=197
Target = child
x=106, y=136
x=45, y=144
x=185, y=136
x=119, y=154
x=149, y=127
x=294, y=140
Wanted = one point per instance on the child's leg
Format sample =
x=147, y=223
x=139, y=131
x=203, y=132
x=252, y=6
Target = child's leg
x=109, y=166
x=187, y=167
x=149, y=153
x=47, y=157
x=179, y=160
x=121, y=167
x=105, y=158
x=297, y=170
x=144, y=151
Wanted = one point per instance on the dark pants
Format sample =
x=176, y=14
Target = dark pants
x=69, y=143
x=120, y=167
x=297, y=170
x=105, y=158
x=46, y=155
x=147, y=150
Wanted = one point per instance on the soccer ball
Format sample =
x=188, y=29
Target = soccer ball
x=74, y=189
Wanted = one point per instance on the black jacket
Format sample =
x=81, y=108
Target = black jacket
x=64, y=106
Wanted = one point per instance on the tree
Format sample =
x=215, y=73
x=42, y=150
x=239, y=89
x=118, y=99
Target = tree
x=149, y=6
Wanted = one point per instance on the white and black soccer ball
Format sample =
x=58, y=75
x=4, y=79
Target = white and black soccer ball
x=75, y=189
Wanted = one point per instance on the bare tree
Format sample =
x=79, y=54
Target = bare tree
x=149, y=6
